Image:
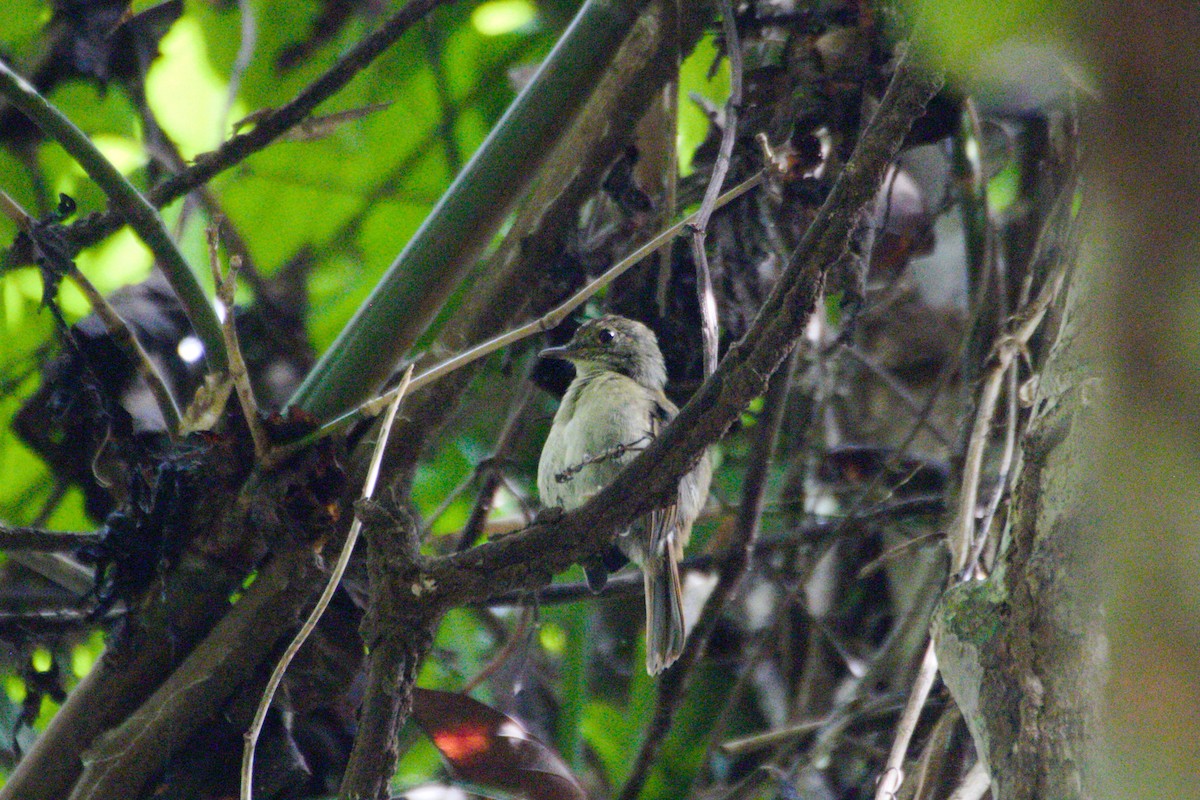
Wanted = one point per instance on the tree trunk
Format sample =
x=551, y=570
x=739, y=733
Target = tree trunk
x=1022, y=651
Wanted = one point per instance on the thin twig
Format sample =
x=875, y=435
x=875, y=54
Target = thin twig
x=1003, y=470
x=128, y=202
x=491, y=471
x=758, y=741
x=974, y=784
x=248, y=30
x=516, y=638
x=893, y=773
x=961, y=536
x=226, y=285
x=274, y=125
x=543, y=323
x=448, y=119
x=13, y=210
x=698, y=229
x=123, y=337
x=335, y=578
x=876, y=564
x=897, y=388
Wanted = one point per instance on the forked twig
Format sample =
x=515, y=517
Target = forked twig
x=226, y=284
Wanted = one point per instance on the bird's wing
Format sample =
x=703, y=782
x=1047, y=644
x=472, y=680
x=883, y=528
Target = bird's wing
x=664, y=521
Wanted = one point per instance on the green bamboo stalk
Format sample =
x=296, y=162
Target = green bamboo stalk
x=130, y=203
x=455, y=233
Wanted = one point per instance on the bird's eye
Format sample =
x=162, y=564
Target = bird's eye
x=606, y=335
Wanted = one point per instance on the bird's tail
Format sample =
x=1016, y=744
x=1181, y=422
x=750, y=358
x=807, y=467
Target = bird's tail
x=664, y=612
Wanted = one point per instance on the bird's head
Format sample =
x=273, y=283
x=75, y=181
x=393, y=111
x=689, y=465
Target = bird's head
x=615, y=344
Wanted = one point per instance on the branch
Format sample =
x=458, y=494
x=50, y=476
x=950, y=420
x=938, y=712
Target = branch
x=457, y=230
x=128, y=202
x=672, y=689
x=226, y=288
x=893, y=773
x=272, y=126
x=17, y=537
x=335, y=578
x=528, y=559
x=118, y=765
x=704, y=287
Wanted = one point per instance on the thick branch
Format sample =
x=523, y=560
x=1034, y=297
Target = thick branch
x=399, y=630
x=123, y=759
x=528, y=559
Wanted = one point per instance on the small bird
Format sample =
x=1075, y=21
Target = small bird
x=613, y=409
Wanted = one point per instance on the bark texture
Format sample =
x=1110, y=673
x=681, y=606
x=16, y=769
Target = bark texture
x=1022, y=651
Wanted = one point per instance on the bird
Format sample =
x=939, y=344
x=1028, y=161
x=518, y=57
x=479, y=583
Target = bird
x=613, y=409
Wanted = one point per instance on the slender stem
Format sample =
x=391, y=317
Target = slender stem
x=961, y=536
x=704, y=286
x=18, y=537
x=238, y=372
x=542, y=323
x=899, y=390
x=129, y=203
x=124, y=339
x=893, y=774
x=335, y=578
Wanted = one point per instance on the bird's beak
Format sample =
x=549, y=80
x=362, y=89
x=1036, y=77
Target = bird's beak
x=563, y=352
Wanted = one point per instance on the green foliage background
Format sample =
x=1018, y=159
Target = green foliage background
x=348, y=200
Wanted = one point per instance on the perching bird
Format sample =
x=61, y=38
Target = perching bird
x=612, y=410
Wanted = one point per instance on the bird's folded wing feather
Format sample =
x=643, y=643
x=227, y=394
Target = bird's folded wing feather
x=664, y=521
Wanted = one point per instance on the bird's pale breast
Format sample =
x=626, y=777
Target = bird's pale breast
x=598, y=414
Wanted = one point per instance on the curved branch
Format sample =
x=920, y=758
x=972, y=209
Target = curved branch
x=529, y=558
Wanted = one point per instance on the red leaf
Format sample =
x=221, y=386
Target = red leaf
x=488, y=748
